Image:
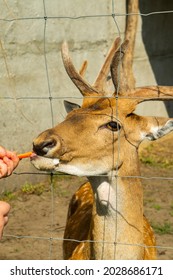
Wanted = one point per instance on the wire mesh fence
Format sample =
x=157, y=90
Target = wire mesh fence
x=37, y=109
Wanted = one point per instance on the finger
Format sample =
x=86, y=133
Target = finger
x=5, y=220
x=13, y=156
x=1, y=229
x=4, y=208
x=3, y=169
x=10, y=165
x=2, y=152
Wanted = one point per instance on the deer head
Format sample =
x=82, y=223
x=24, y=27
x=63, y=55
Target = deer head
x=103, y=134
x=100, y=140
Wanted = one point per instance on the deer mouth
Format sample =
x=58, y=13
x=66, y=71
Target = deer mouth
x=44, y=163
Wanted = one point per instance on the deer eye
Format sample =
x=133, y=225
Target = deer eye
x=114, y=126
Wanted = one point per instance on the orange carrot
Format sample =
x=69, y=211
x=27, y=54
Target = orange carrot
x=25, y=155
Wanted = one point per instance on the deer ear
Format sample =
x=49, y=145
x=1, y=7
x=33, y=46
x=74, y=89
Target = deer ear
x=160, y=129
x=69, y=106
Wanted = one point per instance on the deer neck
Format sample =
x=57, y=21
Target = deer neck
x=117, y=220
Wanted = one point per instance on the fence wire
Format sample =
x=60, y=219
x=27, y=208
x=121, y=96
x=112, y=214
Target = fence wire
x=114, y=15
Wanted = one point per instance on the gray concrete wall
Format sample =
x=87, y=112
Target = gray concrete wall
x=25, y=108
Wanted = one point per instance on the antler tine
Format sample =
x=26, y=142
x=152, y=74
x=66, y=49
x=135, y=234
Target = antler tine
x=160, y=93
x=85, y=88
x=117, y=70
x=104, y=71
x=83, y=68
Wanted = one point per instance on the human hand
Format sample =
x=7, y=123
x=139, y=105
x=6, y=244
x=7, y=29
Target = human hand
x=8, y=162
x=4, y=210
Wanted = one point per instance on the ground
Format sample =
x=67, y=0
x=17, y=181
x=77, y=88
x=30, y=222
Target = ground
x=38, y=213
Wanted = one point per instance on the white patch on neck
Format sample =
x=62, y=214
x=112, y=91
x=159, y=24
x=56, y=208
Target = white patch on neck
x=105, y=193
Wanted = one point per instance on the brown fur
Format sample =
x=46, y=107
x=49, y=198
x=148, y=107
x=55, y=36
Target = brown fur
x=80, y=217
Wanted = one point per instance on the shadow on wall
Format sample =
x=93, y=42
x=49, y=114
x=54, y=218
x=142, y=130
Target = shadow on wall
x=157, y=36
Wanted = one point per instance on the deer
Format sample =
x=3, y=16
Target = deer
x=100, y=140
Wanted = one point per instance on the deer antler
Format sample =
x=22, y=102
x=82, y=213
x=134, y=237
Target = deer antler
x=121, y=66
x=83, y=68
x=117, y=72
x=147, y=93
x=104, y=71
x=130, y=35
x=122, y=73
x=85, y=88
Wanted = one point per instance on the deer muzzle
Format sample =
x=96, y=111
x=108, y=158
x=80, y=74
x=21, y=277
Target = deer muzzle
x=47, y=149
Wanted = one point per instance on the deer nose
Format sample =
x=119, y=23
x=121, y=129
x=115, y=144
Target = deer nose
x=44, y=147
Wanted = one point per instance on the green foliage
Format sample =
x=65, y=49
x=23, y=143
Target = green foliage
x=171, y=213
x=156, y=156
x=148, y=160
x=165, y=228
x=7, y=196
x=29, y=188
x=156, y=206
